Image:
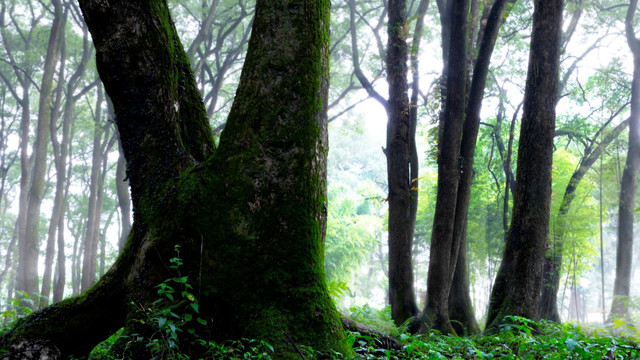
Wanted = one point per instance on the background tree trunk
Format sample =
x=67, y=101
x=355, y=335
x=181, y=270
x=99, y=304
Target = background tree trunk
x=517, y=286
x=94, y=210
x=624, y=254
x=552, y=264
x=60, y=166
x=460, y=306
x=444, y=249
x=28, y=260
x=401, y=289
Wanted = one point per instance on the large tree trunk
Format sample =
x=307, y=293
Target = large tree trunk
x=624, y=254
x=250, y=218
x=517, y=286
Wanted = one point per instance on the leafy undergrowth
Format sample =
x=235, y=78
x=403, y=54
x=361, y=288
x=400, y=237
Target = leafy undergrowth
x=175, y=323
x=521, y=339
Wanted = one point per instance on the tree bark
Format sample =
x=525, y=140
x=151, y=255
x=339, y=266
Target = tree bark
x=444, y=249
x=624, y=253
x=517, y=287
x=252, y=214
x=401, y=289
x=460, y=306
x=401, y=153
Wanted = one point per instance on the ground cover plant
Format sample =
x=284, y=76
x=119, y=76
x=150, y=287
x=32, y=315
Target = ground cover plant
x=519, y=338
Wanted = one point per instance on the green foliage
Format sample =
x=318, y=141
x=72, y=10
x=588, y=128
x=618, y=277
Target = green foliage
x=173, y=318
x=175, y=311
x=352, y=233
x=375, y=318
x=520, y=339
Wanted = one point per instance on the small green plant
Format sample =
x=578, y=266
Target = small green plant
x=175, y=312
x=241, y=349
x=21, y=305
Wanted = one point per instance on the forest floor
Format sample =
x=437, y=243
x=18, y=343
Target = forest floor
x=520, y=339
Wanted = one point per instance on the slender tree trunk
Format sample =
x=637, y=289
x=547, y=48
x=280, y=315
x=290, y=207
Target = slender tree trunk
x=23, y=76
x=28, y=261
x=60, y=166
x=401, y=289
x=8, y=263
x=444, y=248
x=25, y=174
x=517, y=287
x=253, y=213
x=552, y=264
x=460, y=306
x=60, y=278
x=604, y=315
x=461, y=313
x=93, y=214
x=624, y=254
x=414, y=162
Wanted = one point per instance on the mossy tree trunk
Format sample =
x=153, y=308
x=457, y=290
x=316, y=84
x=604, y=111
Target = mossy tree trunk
x=517, y=286
x=249, y=216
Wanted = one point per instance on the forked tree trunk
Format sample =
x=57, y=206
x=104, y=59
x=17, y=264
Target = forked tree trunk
x=460, y=307
x=517, y=286
x=250, y=218
x=444, y=250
